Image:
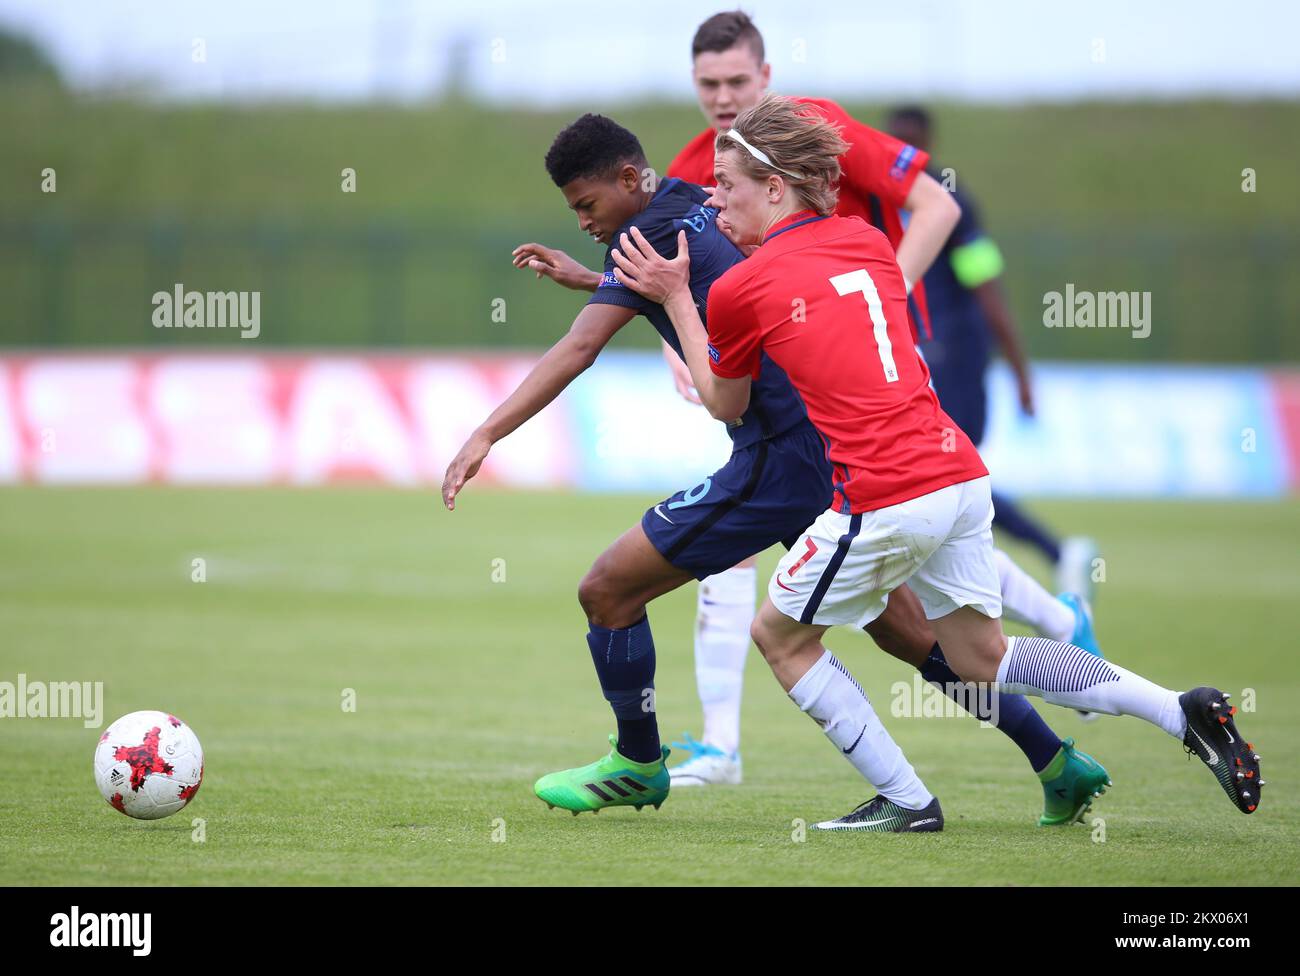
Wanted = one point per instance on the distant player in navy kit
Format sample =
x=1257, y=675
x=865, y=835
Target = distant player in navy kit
x=967, y=310
x=776, y=480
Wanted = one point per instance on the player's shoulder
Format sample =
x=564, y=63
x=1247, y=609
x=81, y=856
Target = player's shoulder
x=799, y=253
x=861, y=131
x=830, y=227
x=824, y=106
x=855, y=228
x=677, y=196
x=845, y=224
x=679, y=205
x=694, y=156
x=673, y=199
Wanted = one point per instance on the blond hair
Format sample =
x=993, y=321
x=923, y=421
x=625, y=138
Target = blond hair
x=801, y=145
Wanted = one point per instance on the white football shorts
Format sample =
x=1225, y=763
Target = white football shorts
x=843, y=568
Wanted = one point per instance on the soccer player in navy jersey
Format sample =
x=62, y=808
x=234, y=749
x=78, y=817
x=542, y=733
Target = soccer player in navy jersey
x=775, y=482
x=824, y=299
x=967, y=310
x=777, y=479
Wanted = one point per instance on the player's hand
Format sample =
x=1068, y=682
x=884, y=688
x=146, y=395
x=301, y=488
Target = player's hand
x=643, y=269
x=463, y=467
x=553, y=263
x=1026, y=393
x=681, y=376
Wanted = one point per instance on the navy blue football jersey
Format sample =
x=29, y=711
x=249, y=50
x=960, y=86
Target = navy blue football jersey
x=774, y=407
x=957, y=321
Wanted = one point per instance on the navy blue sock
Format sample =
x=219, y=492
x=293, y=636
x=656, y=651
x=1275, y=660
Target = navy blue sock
x=1015, y=716
x=1008, y=517
x=625, y=664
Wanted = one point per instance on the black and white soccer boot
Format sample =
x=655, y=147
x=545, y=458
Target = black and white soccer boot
x=1212, y=735
x=887, y=817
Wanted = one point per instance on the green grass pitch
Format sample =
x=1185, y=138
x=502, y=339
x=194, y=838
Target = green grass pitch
x=468, y=688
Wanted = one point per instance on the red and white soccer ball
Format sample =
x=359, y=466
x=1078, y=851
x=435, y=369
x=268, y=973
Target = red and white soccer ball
x=148, y=765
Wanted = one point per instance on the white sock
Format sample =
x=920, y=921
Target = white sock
x=1025, y=601
x=1067, y=675
x=836, y=702
x=723, y=613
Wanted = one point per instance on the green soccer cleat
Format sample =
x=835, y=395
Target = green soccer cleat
x=1070, y=782
x=613, y=781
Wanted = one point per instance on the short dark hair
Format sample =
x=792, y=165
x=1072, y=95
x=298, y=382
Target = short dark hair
x=593, y=146
x=723, y=31
x=914, y=114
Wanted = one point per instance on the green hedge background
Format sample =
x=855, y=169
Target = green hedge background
x=1132, y=197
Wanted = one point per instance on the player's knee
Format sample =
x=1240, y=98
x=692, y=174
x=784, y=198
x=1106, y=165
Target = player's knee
x=767, y=640
x=982, y=657
x=760, y=634
x=603, y=603
x=991, y=649
x=593, y=595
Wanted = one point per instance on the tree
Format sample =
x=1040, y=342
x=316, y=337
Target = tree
x=22, y=60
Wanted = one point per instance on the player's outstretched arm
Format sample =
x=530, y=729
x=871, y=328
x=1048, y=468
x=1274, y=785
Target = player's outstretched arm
x=934, y=215
x=1002, y=324
x=563, y=362
x=553, y=263
x=643, y=269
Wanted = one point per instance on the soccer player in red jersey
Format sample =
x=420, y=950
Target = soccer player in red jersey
x=824, y=299
x=881, y=177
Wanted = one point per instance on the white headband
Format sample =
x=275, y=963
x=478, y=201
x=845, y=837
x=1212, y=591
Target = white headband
x=759, y=154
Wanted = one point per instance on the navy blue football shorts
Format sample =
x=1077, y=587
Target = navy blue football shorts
x=766, y=493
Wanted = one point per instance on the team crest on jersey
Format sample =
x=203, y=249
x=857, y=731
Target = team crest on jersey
x=903, y=162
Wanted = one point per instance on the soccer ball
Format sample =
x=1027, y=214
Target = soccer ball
x=148, y=765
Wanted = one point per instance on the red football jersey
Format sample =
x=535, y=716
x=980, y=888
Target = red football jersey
x=824, y=298
x=877, y=174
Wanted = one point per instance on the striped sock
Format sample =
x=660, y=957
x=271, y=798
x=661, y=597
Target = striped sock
x=1010, y=714
x=1067, y=675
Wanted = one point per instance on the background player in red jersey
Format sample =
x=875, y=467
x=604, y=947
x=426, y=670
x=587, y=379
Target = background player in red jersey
x=880, y=175
x=825, y=300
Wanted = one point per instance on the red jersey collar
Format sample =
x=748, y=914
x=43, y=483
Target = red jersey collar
x=802, y=216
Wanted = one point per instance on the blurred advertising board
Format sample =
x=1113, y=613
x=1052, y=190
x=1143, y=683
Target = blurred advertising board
x=230, y=419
